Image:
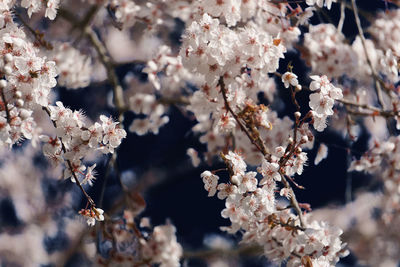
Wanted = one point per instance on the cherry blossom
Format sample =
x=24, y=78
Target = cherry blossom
x=289, y=78
x=210, y=182
x=92, y=215
x=216, y=65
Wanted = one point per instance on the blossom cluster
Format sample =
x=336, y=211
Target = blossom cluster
x=251, y=47
x=329, y=54
x=27, y=79
x=383, y=158
x=175, y=74
x=74, y=140
x=251, y=206
x=385, y=31
x=147, y=104
x=322, y=102
x=162, y=246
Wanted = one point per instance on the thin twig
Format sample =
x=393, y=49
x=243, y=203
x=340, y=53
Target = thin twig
x=365, y=106
x=85, y=26
x=342, y=16
x=38, y=35
x=288, y=225
x=261, y=147
x=375, y=111
x=378, y=88
x=118, y=99
x=366, y=15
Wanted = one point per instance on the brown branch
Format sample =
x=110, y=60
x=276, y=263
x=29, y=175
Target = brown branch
x=293, y=182
x=3, y=97
x=262, y=149
x=260, y=145
x=75, y=21
x=118, y=99
x=274, y=220
x=39, y=36
x=293, y=200
x=294, y=100
x=365, y=106
x=107, y=62
x=112, y=76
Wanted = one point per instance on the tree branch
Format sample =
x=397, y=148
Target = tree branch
x=260, y=145
x=378, y=88
x=112, y=76
x=262, y=149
